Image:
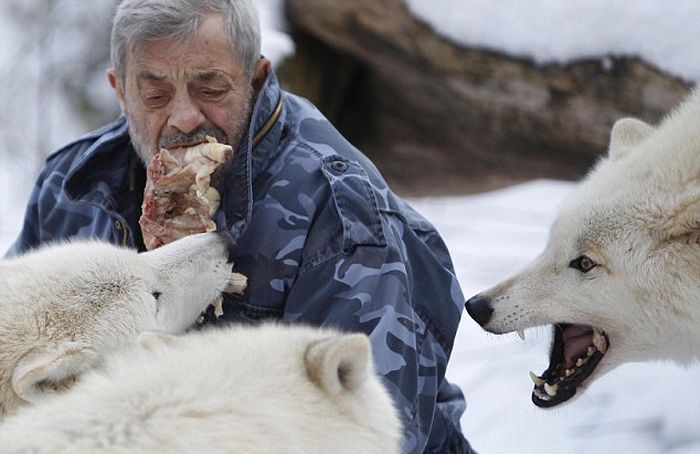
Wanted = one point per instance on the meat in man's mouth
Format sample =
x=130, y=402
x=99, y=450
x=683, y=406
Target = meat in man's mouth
x=179, y=199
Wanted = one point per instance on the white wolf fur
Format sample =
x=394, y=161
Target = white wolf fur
x=64, y=307
x=637, y=216
x=268, y=389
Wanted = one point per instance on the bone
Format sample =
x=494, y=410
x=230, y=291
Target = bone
x=218, y=304
x=237, y=283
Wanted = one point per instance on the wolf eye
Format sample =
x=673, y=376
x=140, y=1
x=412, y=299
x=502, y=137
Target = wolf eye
x=583, y=264
x=156, y=295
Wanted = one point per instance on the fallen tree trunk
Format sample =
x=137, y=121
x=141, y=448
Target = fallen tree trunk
x=437, y=117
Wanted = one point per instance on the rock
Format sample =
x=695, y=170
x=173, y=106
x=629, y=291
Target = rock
x=439, y=118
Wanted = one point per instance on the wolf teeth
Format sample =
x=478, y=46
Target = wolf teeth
x=521, y=334
x=590, y=351
x=581, y=361
x=540, y=395
x=569, y=372
x=536, y=379
x=599, y=341
x=551, y=390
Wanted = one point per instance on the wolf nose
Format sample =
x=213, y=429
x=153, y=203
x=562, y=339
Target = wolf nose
x=479, y=307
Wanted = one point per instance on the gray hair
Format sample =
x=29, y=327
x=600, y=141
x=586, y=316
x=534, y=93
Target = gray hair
x=139, y=21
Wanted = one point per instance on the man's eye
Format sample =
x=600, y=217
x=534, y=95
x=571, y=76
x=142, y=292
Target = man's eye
x=583, y=263
x=155, y=100
x=211, y=94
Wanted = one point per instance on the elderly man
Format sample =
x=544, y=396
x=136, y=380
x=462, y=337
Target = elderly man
x=321, y=238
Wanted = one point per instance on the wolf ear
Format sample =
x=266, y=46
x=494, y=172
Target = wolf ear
x=52, y=370
x=339, y=363
x=625, y=134
x=684, y=224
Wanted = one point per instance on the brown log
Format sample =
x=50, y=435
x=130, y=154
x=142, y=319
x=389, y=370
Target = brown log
x=439, y=117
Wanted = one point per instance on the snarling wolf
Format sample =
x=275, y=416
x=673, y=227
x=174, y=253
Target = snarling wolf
x=619, y=279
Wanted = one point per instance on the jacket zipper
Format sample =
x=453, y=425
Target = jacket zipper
x=122, y=227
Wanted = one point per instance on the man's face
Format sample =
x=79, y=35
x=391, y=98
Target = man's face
x=176, y=94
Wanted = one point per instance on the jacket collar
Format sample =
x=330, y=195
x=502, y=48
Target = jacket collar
x=257, y=146
x=103, y=169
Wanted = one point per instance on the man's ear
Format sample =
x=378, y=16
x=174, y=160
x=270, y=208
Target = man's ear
x=340, y=363
x=262, y=69
x=116, y=83
x=50, y=370
x=625, y=134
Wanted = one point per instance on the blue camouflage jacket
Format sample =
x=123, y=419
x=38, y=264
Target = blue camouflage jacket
x=320, y=236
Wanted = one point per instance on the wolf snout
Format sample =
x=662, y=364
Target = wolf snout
x=480, y=309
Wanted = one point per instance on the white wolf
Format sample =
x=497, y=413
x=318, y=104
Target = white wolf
x=268, y=389
x=64, y=307
x=620, y=276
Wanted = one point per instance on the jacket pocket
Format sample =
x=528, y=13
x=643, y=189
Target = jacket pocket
x=355, y=203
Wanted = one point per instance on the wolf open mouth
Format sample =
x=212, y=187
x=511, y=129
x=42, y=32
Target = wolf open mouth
x=576, y=351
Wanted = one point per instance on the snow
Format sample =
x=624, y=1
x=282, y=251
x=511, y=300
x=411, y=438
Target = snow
x=663, y=33
x=276, y=43
x=640, y=408
x=13, y=198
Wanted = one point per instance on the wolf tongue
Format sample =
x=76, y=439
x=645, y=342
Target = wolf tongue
x=577, y=339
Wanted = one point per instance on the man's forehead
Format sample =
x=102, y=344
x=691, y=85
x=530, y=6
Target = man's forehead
x=192, y=58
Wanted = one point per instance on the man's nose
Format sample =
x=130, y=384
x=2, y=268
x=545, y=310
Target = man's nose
x=479, y=307
x=186, y=115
